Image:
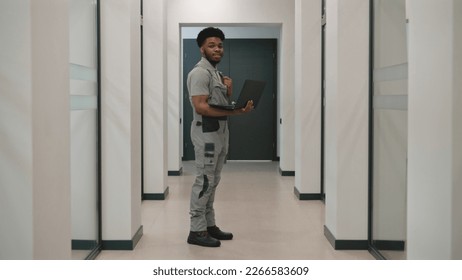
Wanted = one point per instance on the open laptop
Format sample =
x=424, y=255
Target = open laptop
x=252, y=90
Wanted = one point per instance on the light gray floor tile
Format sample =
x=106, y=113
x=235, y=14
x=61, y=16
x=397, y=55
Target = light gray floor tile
x=255, y=203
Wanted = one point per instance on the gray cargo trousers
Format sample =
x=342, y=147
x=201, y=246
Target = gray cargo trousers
x=211, y=148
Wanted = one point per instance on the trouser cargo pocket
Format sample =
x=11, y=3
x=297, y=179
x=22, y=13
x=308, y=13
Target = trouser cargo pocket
x=209, y=154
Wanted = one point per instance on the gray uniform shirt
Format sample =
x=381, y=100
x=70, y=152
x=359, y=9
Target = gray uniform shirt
x=204, y=79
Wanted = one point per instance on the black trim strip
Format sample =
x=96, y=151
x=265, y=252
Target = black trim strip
x=371, y=125
x=142, y=99
x=372, y=248
x=323, y=97
x=286, y=173
x=307, y=196
x=123, y=244
x=156, y=196
x=390, y=245
x=80, y=244
x=98, y=248
x=345, y=244
x=175, y=173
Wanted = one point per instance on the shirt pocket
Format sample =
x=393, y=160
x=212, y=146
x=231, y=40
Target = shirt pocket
x=218, y=93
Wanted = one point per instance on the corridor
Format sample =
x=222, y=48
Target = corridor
x=255, y=203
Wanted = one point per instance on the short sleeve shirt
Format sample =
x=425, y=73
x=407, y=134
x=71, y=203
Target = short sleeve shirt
x=204, y=79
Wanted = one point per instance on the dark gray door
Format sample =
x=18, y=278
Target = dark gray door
x=252, y=136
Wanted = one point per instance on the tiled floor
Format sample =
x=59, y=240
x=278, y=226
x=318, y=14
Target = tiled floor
x=255, y=203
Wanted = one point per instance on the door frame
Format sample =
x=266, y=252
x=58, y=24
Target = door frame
x=247, y=31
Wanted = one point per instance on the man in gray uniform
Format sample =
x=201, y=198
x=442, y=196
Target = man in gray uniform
x=209, y=134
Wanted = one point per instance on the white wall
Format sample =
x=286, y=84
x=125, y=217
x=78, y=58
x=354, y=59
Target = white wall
x=34, y=120
x=256, y=12
x=435, y=109
x=390, y=122
x=308, y=96
x=83, y=60
x=121, y=118
x=155, y=96
x=346, y=122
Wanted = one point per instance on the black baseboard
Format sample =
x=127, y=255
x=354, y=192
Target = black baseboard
x=175, y=173
x=345, y=244
x=123, y=244
x=286, y=173
x=82, y=244
x=307, y=196
x=156, y=196
x=389, y=245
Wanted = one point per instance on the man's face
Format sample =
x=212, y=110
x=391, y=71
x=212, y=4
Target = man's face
x=212, y=49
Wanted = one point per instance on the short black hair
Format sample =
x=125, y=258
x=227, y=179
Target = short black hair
x=209, y=32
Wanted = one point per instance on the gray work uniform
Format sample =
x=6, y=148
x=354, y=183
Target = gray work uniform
x=210, y=137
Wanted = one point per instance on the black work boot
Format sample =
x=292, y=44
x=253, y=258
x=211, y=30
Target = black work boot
x=202, y=238
x=215, y=232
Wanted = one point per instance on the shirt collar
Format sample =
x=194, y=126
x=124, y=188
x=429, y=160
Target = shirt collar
x=206, y=64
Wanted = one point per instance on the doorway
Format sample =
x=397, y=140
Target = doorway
x=253, y=136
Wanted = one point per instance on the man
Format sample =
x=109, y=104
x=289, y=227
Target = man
x=209, y=134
